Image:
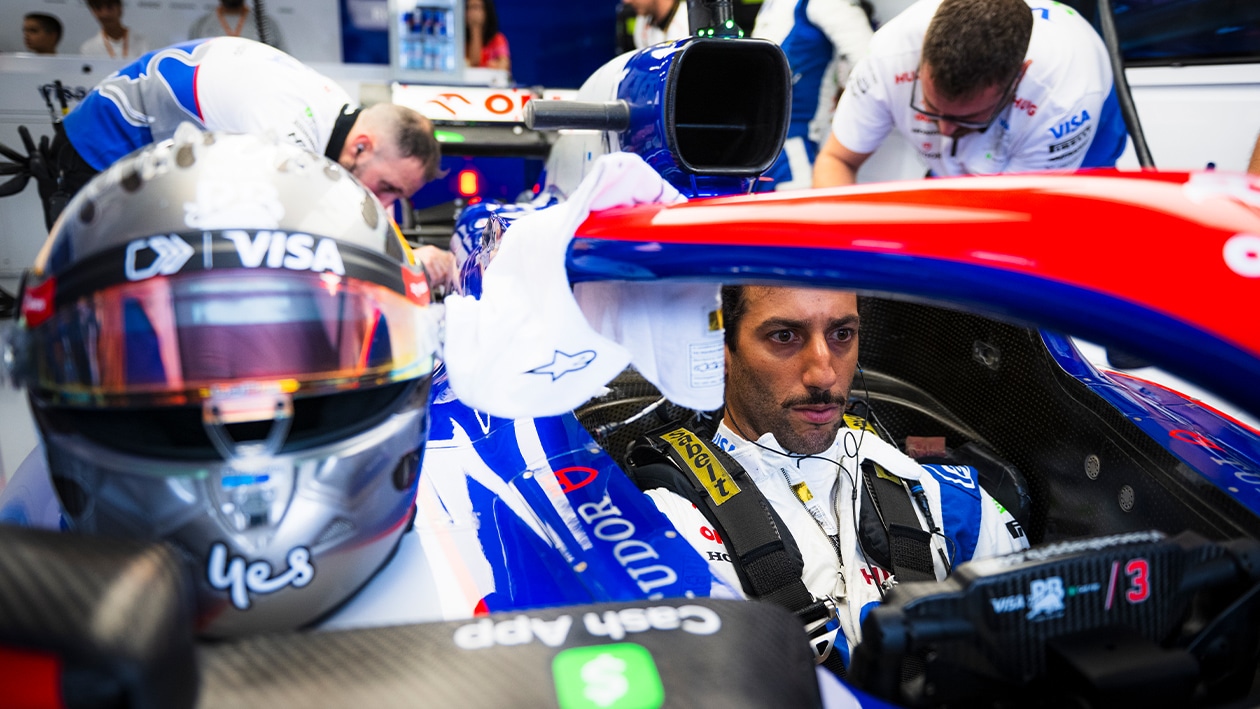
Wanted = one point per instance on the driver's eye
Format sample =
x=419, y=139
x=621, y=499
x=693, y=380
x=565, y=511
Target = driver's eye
x=845, y=334
x=781, y=336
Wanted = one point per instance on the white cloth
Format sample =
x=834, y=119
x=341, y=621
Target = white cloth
x=851, y=580
x=1069, y=77
x=647, y=34
x=671, y=331
x=525, y=349
x=134, y=45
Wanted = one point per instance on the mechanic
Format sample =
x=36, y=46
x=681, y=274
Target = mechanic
x=980, y=87
x=241, y=86
x=823, y=40
x=791, y=355
x=659, y=21
x=238, y=85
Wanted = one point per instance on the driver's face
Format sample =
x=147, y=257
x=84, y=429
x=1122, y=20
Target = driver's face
x=795, y=353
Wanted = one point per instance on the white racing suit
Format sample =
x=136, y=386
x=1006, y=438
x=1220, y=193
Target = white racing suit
x=973, y=524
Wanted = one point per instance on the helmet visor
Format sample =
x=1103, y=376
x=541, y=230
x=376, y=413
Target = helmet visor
x=180, y=340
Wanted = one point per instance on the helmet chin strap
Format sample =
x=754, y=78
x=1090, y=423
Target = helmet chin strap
x=246, y=403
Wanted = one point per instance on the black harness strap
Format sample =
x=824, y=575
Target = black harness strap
x=752, y=533
x=733, y=503
x=909, y=546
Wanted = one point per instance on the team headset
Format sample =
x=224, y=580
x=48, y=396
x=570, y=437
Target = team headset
x=852, y=446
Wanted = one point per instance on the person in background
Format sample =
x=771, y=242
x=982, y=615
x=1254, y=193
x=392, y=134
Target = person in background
x=1253, y=166
x=484, y=45
x=823, y=40
x=233, y=18
x=41, y=32
x=980, y=87
x=659, y=21
x=115, y=40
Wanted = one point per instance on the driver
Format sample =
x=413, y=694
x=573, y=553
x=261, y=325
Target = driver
x=227, y=347
x=791, y=355
x=980, y=87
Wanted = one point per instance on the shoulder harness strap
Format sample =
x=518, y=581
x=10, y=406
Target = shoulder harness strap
x=733, y=503
x=909, y=546
x=731, y=498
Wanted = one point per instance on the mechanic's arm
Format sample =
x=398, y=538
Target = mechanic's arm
x=439, y=265
x=836, y=165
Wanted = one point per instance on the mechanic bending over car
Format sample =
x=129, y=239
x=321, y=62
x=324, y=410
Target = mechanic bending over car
x=980, y=87
x=791, y=357
x=236, y=85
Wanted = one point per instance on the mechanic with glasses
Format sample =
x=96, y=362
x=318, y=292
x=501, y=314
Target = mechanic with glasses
x=980, y=87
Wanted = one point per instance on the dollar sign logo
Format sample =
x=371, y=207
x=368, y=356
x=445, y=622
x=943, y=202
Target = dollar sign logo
x=605, y=678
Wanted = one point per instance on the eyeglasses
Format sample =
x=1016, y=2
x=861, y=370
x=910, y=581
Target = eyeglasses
x=917, y=102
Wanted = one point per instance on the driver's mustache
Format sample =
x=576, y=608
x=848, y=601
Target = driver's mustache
x=815, y=397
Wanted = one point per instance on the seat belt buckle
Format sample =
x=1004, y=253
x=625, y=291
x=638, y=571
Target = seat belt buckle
x=822, y=639
x=822, y=645
x=827, y=606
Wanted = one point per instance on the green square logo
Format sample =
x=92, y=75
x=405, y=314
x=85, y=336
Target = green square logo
x=619, y=676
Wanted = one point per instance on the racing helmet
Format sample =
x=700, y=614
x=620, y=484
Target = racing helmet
x=225, y=346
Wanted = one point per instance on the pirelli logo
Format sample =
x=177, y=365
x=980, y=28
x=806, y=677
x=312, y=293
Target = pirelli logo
x=716, y=480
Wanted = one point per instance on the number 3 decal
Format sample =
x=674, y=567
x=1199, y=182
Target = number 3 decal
x=1139, y=584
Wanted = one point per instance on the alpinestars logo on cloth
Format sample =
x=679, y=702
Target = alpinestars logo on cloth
x=562, y=363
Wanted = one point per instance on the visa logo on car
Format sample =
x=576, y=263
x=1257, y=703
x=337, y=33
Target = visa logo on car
x=1070, y=125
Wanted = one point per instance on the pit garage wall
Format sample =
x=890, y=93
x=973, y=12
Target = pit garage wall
x=304, y=24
